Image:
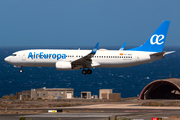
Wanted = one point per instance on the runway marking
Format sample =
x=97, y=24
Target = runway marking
x=69, y=115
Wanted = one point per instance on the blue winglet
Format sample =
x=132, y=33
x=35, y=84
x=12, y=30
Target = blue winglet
x=122, y=48
x=95, y=49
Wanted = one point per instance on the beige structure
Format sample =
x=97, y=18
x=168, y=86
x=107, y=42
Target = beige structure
x=47, y=93
x=116, y=96
x=26, y=94
x=104, y=93
x=19, y=95
x=86, y=95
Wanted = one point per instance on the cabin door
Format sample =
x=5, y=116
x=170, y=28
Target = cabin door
x=137, y=58
x=24, y=57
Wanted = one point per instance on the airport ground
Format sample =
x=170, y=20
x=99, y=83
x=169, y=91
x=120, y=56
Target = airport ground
x=90, y=110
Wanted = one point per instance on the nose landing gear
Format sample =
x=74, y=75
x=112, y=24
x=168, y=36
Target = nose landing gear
x=21, y=70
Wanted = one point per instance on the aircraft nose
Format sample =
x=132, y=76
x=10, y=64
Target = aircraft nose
x=7, y=59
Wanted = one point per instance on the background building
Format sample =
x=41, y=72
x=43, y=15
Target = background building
x=86, y=95
x=107, y=94
x=47, y=93
x=104, y=93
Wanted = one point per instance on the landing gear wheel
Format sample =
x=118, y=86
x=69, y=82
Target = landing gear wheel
x=89, y=71
x=84, y=72
x=21, y=71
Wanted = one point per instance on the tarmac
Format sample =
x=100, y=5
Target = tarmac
x=101, y=112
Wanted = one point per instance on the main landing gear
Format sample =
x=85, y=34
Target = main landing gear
x=21, y=70
x=84, y=72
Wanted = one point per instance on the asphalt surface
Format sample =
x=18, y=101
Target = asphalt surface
x=100, y=112
x=90, y=115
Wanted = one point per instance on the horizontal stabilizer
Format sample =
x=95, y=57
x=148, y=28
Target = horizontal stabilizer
x=158, y=54
x=169, y=52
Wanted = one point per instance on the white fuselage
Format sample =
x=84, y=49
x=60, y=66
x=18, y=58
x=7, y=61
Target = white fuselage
x=107, y=58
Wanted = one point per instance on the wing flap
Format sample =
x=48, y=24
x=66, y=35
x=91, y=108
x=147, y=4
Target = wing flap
x=94, y=64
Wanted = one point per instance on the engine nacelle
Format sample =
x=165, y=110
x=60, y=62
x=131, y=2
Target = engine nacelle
x=62, y=65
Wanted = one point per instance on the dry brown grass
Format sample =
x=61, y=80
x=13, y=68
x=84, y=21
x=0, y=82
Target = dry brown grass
x=23, y=111
x=63, y=105
x=153, y=103
x=9, y=97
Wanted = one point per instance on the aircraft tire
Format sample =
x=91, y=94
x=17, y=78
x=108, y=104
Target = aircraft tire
x=89, y=71
x=84, y=72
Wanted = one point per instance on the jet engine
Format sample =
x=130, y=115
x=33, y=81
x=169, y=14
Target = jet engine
x=62, y=65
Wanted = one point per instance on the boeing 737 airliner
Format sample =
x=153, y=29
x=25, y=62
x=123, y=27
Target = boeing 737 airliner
x=150, y=51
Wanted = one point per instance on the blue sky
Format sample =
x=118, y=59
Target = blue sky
x=86, y=22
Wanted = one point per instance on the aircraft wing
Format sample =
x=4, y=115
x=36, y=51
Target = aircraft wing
x=86, y=60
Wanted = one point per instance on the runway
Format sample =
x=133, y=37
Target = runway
x=131, y=114
x=100, y=112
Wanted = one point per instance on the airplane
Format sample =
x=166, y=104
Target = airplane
x=61, y=59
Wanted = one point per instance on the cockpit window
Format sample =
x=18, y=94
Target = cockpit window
x=13, y=54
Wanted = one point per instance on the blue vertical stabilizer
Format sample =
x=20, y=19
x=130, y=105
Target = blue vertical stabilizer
x=156, y=42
